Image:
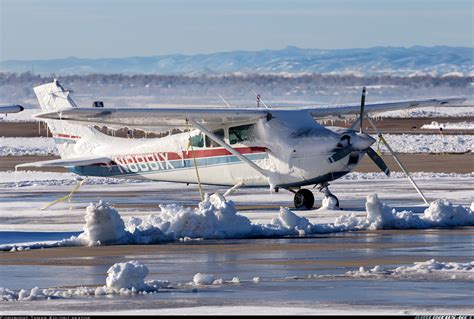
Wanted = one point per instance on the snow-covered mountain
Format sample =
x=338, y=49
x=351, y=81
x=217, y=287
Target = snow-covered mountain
x=417, y=60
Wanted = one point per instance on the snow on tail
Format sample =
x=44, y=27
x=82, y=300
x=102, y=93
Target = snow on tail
x=53, y=97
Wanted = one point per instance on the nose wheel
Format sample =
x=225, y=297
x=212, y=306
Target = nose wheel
x=304, y=199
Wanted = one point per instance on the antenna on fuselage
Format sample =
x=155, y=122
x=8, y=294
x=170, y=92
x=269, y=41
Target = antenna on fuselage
x=259, y=99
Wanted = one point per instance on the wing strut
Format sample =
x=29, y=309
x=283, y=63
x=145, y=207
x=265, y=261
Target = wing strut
x=395, y=157
x=228, y=147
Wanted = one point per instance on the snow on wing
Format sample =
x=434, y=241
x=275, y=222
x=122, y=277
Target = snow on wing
x=156, y=117
x=325, y=111
x=214, y=117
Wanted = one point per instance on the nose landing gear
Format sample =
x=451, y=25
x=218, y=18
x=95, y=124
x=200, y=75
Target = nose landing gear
x=330, y=200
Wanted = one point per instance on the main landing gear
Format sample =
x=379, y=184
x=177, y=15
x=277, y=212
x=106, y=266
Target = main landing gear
x=304, y=198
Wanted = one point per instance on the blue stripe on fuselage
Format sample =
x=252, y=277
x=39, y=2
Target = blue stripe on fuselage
x=60, y=140
x=131, y=169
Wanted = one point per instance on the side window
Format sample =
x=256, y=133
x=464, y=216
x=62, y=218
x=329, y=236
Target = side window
x=197, y=140
x=210, y=143
x=239, y=133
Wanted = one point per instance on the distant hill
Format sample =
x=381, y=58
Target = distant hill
x=417, y=60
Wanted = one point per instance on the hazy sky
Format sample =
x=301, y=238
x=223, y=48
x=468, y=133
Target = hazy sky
x=44, y=29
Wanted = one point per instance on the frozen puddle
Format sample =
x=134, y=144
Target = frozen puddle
x=128, y=278
x=420, y=270
x=217, y=218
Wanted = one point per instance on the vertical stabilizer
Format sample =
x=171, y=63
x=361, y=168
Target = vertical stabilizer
x=70, y=138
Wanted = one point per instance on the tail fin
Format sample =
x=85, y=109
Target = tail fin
x=53, y=97
x=69, y=138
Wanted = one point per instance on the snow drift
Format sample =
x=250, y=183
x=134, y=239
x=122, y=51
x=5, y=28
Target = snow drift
x=440, y=213
x=449, y=270
x=127, y=275
x=216, y=217
x=122, y=279
x=103, y=225
x=203, y=279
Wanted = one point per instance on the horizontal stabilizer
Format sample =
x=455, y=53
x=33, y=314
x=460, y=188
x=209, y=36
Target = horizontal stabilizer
x=78, y=161
x=11, y=108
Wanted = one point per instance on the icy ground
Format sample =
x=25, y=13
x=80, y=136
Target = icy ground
x=20, y=208
x=19, y=146
x=304, y=270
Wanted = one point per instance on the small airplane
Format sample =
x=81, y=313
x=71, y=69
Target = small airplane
x=285, y=148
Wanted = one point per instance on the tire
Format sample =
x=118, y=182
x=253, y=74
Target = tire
x=304, y=199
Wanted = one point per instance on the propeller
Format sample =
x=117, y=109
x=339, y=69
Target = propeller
x=362, y=106
x=378, y=160
x=345, y=147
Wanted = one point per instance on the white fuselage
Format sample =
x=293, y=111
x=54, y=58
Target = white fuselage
x=294, y=152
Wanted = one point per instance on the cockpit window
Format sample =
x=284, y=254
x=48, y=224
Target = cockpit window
x=197, y=140
x=210, y=143
x=240, y=133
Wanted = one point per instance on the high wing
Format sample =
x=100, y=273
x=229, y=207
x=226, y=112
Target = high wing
x=156, y=117
x=11, y=108
x=78, y=161
x=326, y=111
x=153, y=118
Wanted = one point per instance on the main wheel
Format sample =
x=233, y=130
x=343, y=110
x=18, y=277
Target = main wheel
x=304, y=199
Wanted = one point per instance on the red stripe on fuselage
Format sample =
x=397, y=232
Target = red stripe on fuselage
x=216, y=152
x=171, y=156
x=66, y=136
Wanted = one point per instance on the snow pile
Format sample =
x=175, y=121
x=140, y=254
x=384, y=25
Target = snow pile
x=33, y=294
x=443, y=212
x=213, y=218
x=126, y=278
x=7, y=294
x=356, y=176
x=434, y=266
x=451, y=270
x=103, y=226
x=217, y=218
x=203, y=279
x=449, y=126
x=427, y=143
x=291, y=222
x=440, y=213
x=20, y=146
x=127, y=275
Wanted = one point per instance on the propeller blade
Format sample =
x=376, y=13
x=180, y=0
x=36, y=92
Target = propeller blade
x=378, y=161
x=362, y=105
x=340, y=154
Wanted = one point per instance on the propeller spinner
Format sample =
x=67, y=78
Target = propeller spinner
x=352, y=141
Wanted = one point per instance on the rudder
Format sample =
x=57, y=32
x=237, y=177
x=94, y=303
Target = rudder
x=67, y=136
